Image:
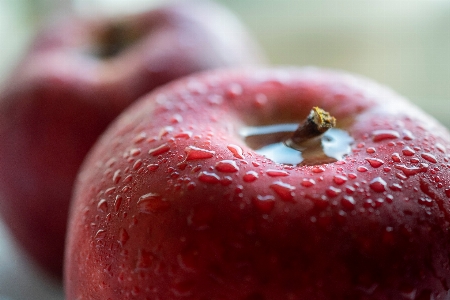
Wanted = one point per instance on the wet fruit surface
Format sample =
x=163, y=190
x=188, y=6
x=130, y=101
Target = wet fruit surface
x=210, y=218
x=76, y=78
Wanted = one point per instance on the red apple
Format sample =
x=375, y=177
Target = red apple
x=177, y=201
x=77, y=77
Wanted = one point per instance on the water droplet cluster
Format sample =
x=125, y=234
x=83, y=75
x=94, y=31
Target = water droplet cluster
x=197, y=185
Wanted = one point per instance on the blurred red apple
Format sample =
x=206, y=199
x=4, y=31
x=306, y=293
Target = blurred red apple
x=78, y=75
x=193, y=193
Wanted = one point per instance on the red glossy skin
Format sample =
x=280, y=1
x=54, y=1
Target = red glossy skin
x=155, y=218
x=63, y=95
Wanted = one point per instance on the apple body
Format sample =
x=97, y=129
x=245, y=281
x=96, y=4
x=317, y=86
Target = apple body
x=78, y=75
x=172, y=202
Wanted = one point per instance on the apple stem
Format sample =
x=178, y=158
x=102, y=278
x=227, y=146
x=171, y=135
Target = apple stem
x=115, y=39
x=316, y=124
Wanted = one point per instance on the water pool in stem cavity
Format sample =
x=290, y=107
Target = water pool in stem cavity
x=270, y=141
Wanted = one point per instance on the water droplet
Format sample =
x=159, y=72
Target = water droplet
x=333, y=191
x=348, y=202
x=320, y=201
x=370, y=150
x=408, y=151
x=152, y=203
x=256, y=164
x=191, y=185
x=198, y=153
x=425, y=201
x=176, y=118
x=368, y=203
x=123, y=237
x=381, y=135
x=239, y=189
x=116, y=177
x=152, y=167
x=307, y=182
x=135, y=152
x=215, y=99
x=447, y=192
x=389, y=198
x=127, y=179
x=184, y=135
x=137, y=164
x=339, y=179
x=208, y=177
x=362, y=169
x=110, y=191
x=396, y=187
x=388, y=235
x=226, y=180
x=407, y=135
x=197, y=87
x=118, y=202
x=227, y=166
x=234, y=90
x=352, y=176
x=440, y=147
x=276, y=173
x=378, y=185
x=427, y=188
x=159, y=150
x=378, y=202
x=165, y=131
x=101, y=234
x=396, y=157
x=102, y=205
x=250, y=176
x=264, y=204
x=140, y=138
x=318, y=169
x=111, y=162
x=375, y=162
x=341, y=217
x=236, y=150
x=284, y=190
x=350, y=190
x=430, y=157
x=414, y=160
x=410, y=171
x=260, y=100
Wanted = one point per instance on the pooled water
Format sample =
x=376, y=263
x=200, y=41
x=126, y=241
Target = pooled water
x=269, y=141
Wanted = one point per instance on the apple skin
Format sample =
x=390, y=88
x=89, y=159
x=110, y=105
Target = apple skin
x=154, y=217
x=73, y=82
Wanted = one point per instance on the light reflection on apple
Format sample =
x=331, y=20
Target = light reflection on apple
x=269, y=141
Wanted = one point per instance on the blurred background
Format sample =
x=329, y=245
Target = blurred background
x=404, y=44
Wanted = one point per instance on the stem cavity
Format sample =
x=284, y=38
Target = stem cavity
x=315, y=125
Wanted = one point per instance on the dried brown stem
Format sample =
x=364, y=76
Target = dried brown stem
x=316, y=124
